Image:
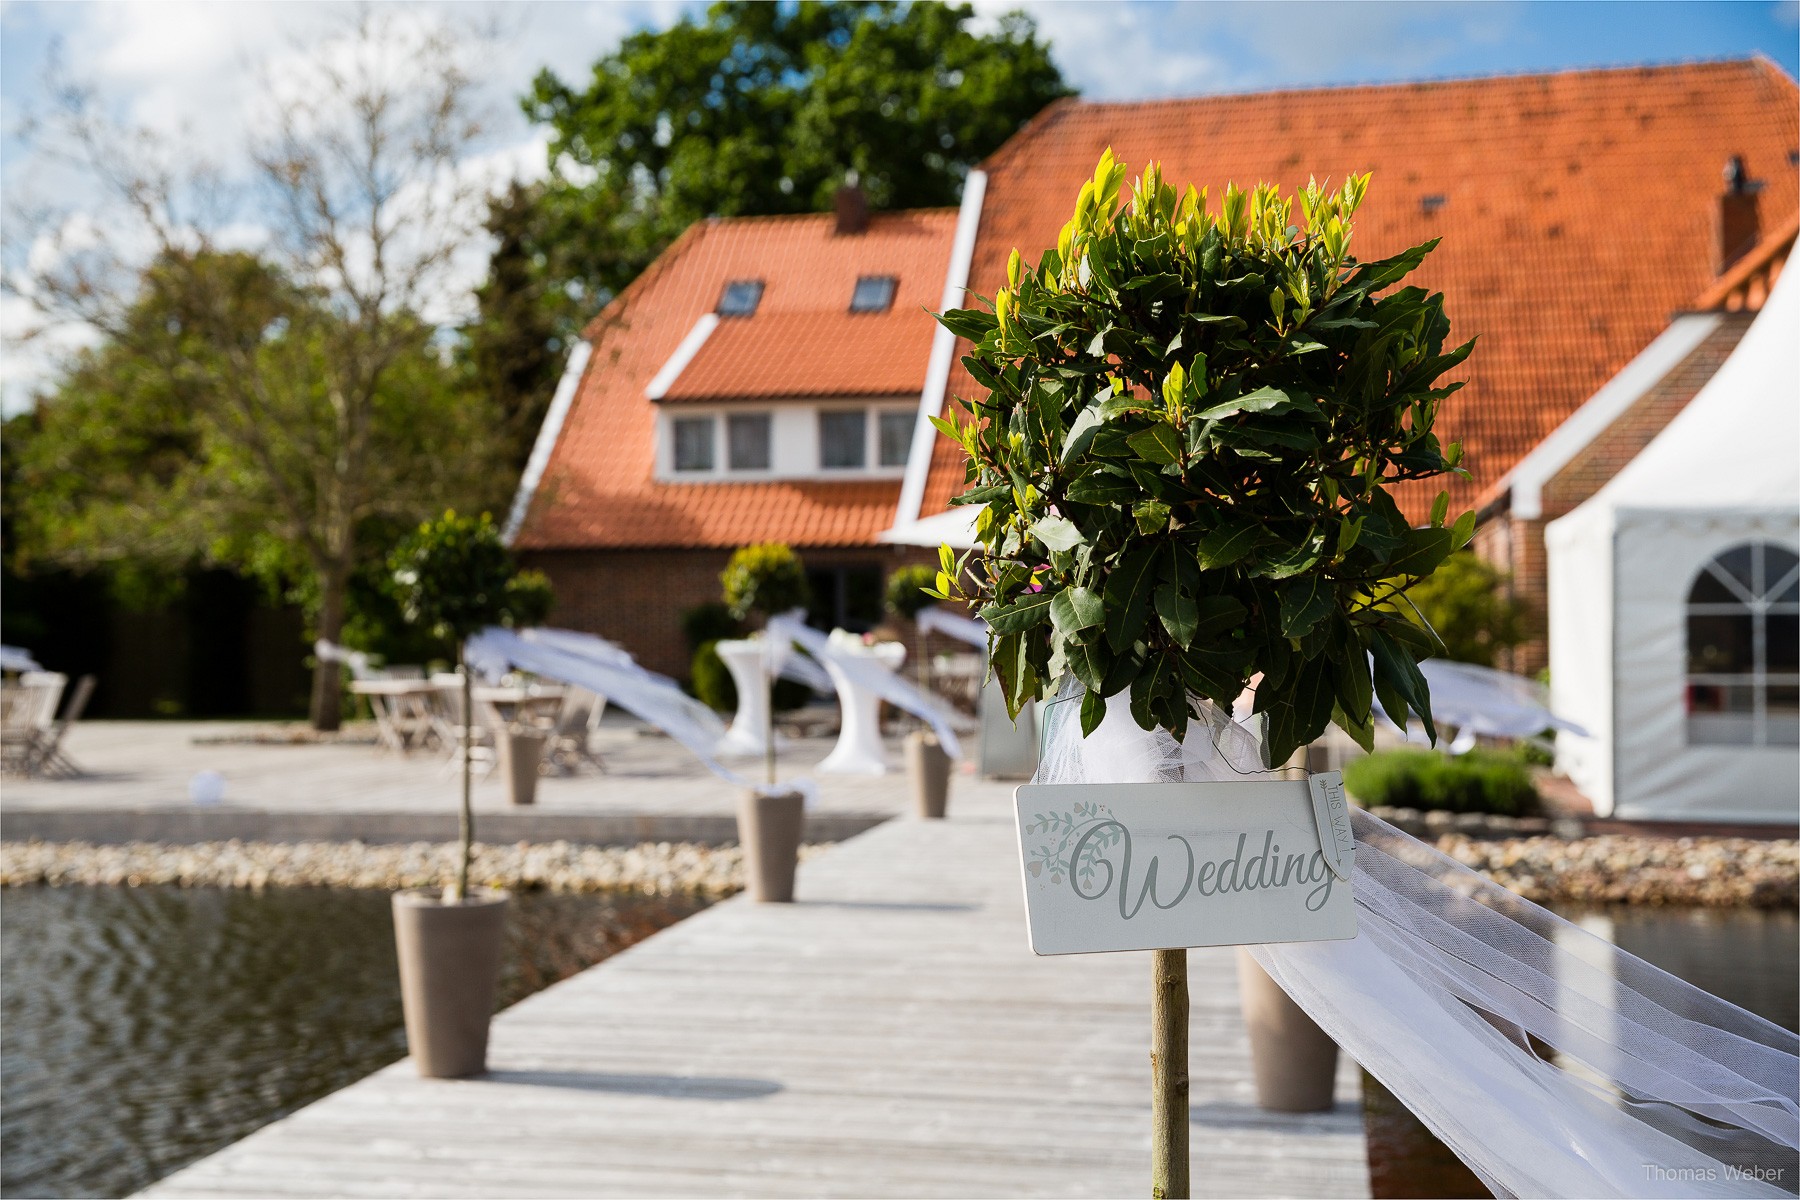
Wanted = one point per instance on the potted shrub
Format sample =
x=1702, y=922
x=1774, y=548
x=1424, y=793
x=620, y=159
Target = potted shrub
x=1193, y=421
x=758, y=582
x=455, y=577
x=927, y=764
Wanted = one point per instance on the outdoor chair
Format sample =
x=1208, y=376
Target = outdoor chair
x=572, y=740
x=47, y=757
x=447, y=722
x=28, y=719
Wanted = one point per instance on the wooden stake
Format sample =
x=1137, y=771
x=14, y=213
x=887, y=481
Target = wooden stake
x=1169, y=1075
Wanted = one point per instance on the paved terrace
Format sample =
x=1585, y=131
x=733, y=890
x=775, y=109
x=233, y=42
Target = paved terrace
x=137, y=774
x=890, y=1034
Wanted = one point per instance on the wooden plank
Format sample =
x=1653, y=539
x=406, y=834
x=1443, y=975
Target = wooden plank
x=889, y=1035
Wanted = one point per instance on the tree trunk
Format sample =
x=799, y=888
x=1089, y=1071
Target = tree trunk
x=1169, y=1075
x=328, y=679
x=466, y=825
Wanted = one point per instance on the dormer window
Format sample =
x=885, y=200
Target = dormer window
x=740, y=297
x=874, y=293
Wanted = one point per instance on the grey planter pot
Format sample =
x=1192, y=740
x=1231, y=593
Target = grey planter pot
x=449, y=972
x=1294, y=1062
x=769, y=829
x=928, y=768
x=520, y=753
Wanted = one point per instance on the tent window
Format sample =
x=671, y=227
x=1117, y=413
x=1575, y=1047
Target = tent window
x=1743, y=649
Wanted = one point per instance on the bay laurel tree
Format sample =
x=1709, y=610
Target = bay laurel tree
x=1192, y=421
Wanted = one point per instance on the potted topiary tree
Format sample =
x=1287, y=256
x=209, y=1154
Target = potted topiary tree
x=1192, y=424
x=927, y=764
x=760, y=581
x=455, y=577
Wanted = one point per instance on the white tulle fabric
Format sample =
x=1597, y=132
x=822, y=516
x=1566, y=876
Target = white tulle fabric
x=1552, y=1062
x=607, y=670
x=867, y=672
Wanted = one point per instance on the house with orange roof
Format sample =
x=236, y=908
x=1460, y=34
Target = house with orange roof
x=759, y=382
x=1578, y=212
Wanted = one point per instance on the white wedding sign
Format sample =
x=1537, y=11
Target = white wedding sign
x=1148, y=866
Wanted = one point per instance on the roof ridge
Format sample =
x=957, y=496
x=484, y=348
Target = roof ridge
x=1757, y=59
x=874, y=215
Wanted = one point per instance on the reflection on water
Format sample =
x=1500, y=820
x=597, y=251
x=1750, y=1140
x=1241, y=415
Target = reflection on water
x=1750, y=957
x=147, y=1027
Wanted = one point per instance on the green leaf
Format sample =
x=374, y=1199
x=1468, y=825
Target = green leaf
x=1075, y=609
x=1348, y=532
x=1127, y=595
x=1263, y=399
x=1081, y=434
x=1298, y=712
x=1056, y=533
x=1159, y=443
x=1230, y=541
x=1090, y=661
x=1152, y=516
x=1361, y=732
x=1397, y=667
x=1012, y=669
x=1425, y=549
x=1093, y=711
x=1217, y=614
x=1463, y=530
x=1439, y=508
x=1180, y=614
x=1105, y=486
x=1156, y=682
x=1304, y=603
x=970, y=323
x=1031, y=609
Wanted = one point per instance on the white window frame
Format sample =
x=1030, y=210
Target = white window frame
x=1759, y=606
x=793, y=441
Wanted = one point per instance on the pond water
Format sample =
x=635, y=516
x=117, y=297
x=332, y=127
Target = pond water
x=1749, y=957
x=147, y=1027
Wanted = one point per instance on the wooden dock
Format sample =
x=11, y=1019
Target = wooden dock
x=889, y=1035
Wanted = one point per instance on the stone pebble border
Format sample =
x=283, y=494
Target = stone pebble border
x=653, y=868
x=1718, y=872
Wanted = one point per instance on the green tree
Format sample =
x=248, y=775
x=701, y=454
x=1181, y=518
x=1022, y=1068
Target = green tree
x=516, y=345
x=1468, y=603
x=763, y=108
x=1192, y=422
x=192, y=435
x=309, y=374
x=455, y=578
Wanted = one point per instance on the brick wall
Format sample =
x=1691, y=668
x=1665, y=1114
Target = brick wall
x=636, y=597
x=1518, y=545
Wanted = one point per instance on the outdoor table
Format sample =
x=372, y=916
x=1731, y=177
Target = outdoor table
x=402, y=709
x=859, y=750
x=535, y=705
x=745, y=659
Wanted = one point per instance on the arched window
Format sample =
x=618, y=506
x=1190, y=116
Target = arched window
x=1743, y=649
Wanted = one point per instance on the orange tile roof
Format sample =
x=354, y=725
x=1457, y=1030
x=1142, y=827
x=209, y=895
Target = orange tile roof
x=1578, y=211
x=598, y=487
x=812, y=354
x=1748, y=282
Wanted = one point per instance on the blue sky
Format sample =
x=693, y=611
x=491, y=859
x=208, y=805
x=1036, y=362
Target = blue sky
x=191, y=67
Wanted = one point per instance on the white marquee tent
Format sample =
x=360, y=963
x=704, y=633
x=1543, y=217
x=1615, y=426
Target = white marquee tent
x=1672, y=599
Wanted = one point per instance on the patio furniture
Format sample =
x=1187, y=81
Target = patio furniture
x=748, y=661
x=446, y=700
x=29, y=715
x=859, y=750
x=572, y=737
x=48, y=757
x=403, y=711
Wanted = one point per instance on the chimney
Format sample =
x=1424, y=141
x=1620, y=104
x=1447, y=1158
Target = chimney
x=852, y=206
x=1739, y=226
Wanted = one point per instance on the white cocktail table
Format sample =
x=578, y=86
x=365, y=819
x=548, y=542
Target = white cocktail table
x=859, y=750
x=752, y=664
